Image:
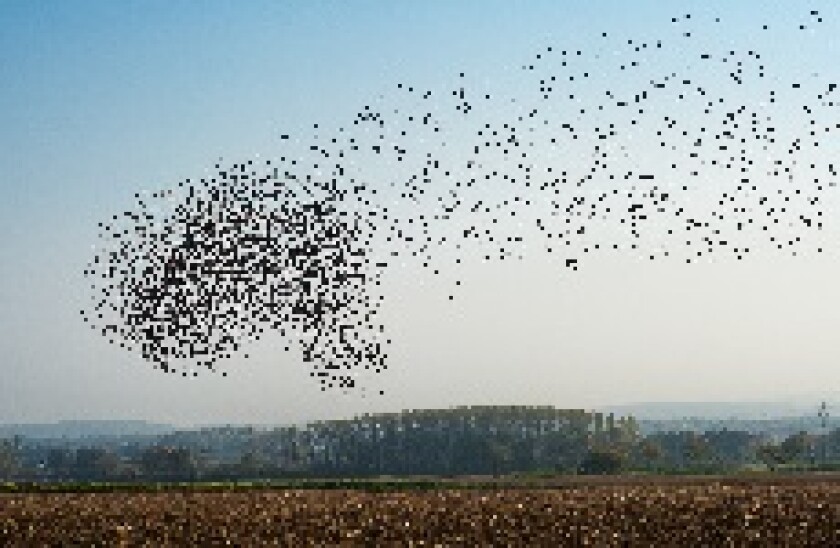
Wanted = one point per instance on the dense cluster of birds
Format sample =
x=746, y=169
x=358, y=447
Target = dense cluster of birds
x=600, y=153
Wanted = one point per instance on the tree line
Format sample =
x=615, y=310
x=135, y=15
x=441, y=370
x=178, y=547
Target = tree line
x=484, y=440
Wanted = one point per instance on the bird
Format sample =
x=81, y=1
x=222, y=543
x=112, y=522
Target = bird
x=595, y=155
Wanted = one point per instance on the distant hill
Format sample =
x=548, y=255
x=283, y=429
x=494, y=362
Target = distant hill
x=717, y=410
x=776, y=419
x=75, y=429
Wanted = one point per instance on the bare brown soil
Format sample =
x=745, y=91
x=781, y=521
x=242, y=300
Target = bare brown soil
x=781, y=511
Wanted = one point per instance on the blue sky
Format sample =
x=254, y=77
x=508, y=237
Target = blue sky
x=99, y=100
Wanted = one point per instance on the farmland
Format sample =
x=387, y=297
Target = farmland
x=622, y=511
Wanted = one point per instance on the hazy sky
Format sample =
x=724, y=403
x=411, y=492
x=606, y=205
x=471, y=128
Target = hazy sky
x=99, y=100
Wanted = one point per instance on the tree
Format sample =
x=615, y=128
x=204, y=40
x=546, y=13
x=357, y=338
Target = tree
x=170, y=463
x=731, y=448
x=9, y=460
x=501, y=455
x=696, y=449
x=253, y=464
x=796, y=446
x=96, y=463
x=61, y=461
x=770, y=454
x=603, y=461
x=651, y=453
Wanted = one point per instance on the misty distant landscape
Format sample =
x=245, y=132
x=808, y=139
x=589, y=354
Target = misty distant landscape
x=795, y=412
x=482, y=440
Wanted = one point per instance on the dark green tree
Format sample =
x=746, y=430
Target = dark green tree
x=796, y=447
x=650, y=453
x=771, y=455
x=603, y=461
x=9, y=460
x=168, y=463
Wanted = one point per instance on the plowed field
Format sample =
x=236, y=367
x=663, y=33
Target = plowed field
x=795, y=512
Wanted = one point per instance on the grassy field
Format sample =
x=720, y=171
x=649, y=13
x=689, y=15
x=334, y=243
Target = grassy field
x=792, y=510
x=412, y=483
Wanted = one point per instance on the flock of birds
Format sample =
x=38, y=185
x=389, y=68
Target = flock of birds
x=684, y=165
